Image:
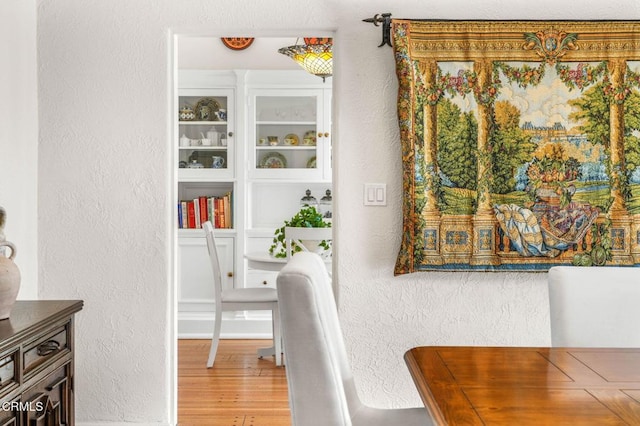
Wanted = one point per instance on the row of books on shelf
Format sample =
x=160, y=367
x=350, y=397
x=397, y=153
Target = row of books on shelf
x=193, y=213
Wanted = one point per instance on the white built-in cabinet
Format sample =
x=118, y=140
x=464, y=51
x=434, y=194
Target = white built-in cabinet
x=290, y=134
x=274, y=136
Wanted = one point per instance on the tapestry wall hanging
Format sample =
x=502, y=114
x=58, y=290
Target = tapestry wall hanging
x=520, y=144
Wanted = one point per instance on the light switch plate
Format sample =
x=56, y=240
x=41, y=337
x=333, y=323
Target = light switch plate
x=375, y=194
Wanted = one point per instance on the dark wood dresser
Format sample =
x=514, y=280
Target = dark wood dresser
x=36, y=363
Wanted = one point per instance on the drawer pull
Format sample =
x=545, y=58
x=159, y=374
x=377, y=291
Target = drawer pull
x=48, y=347
x=57, y=384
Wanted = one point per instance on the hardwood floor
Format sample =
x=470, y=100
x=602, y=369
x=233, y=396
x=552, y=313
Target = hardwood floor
x=240, y=389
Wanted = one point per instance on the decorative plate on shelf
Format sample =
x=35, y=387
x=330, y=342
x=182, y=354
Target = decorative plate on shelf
x=309, y=138
x=311, y=164
x=291, y=139
x=273, y=160
x=206, y=109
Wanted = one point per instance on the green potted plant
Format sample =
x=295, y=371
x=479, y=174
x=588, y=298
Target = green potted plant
x=307, y=217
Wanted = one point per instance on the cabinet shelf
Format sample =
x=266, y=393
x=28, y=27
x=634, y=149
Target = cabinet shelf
x=286, y=147
x=203, y=175
x=199, y=233
x=202, y=123
x=204, y=148
x=286, y=123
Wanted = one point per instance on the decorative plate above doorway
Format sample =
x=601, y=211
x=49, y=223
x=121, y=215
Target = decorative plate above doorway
x=237, y=43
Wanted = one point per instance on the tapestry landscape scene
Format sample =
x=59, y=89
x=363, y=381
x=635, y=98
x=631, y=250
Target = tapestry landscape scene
x=517, y=164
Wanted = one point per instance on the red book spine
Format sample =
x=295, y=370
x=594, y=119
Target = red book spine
x=191, y=215
x=203, y=209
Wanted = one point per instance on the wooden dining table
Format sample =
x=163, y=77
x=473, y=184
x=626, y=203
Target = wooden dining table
x=462, y=385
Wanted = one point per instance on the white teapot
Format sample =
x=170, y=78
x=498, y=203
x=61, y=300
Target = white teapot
x=184, y=140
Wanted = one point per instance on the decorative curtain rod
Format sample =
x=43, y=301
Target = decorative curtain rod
x=385, y=20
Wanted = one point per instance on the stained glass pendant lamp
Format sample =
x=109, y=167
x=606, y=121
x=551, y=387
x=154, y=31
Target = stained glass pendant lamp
x=315, y=56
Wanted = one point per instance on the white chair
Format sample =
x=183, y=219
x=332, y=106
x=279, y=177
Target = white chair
x=321, y=387
x=594, y=306
x=239, y=299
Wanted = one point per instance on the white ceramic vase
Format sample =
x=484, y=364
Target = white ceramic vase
x=9, y=281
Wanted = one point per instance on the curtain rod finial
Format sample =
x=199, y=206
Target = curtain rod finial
x=385, y=20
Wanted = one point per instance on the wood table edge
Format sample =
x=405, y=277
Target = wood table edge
x=425, y=393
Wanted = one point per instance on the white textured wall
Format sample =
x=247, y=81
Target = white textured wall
x=104, y=213
x=103, y=217
x=19, y=136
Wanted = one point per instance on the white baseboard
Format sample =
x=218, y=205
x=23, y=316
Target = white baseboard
x=195, y=325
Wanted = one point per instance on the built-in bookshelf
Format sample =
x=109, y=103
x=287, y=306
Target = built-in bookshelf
x=202, y=201
x=193, y=213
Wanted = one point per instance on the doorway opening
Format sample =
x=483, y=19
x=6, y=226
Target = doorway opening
x=252, y=133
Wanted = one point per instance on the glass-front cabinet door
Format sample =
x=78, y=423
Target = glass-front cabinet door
x=206, y=143
x=289, y=134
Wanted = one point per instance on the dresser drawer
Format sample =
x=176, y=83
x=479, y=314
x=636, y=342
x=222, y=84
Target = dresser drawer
x=49, y=402
x=8, y=373
x=45, y=348
x=10, y=413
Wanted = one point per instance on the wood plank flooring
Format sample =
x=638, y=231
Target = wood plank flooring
x=240, y=389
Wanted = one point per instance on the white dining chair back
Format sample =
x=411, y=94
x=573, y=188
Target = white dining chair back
x=321, y=386
x=214, y=260
x=594, y=306
x=239, y=299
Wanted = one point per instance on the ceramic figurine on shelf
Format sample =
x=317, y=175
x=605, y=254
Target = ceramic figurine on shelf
x=9, y=272
x=217, y=162
x=186, y=113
